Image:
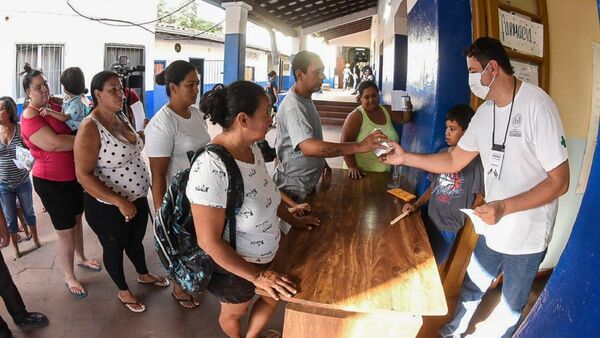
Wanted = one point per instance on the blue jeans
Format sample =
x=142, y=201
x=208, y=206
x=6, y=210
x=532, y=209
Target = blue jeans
x=442, y=241
x=8, y=198
x=485, y=265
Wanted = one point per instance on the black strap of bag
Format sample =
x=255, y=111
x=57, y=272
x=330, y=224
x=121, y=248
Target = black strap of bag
x=235, y=189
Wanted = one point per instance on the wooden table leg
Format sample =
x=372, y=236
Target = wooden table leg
x=305, y=321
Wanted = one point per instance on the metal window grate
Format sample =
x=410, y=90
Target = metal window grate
x=47, y=57
x=213, y=72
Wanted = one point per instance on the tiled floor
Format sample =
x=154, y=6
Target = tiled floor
x=100, y=315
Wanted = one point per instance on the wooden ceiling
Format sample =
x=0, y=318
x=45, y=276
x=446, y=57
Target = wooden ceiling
x=287, y=15
x=347, y=29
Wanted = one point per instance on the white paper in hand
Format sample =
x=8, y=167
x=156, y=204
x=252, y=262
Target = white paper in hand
x=479, y=225
x=139, y=115
x=23, y=159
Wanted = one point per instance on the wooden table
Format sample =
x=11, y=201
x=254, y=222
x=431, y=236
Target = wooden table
x=358, y=275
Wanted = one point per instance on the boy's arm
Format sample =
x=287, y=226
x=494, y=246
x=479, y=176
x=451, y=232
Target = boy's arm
x=411, y=207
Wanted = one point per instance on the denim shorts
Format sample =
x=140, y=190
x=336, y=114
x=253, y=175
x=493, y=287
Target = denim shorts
x=9, y=196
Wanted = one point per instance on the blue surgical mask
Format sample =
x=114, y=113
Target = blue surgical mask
x=478, y=89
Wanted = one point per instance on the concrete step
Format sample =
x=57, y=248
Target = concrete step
x=334, y=114
x=332, y=121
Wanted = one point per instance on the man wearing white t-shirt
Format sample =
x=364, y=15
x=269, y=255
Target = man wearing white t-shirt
x=518, y=133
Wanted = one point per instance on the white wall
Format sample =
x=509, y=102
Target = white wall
x=52, y=21
x=208, y=50
x=389, y=21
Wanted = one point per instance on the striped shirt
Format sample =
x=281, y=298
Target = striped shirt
x=9, y=173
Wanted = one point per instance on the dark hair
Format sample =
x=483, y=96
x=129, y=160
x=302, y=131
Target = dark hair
x=175, y=73
x=30, y=73
x=98, y=82
x=302, y=60
x=486, y=49
x=462, y=114
x=11, y=108
x=364, y=85
x=223, y=103
x=73, y=81
x=272, y=73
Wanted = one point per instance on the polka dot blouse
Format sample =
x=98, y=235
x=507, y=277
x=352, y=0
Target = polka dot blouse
x=120, y=166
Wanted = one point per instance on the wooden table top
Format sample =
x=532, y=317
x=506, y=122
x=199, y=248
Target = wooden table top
x=356, y=261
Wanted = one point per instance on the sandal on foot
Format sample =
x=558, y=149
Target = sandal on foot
x=136, y=307
x=271, y=333
x=183, y=301
x=159, y=281
x=73, y=290
x=92, y=266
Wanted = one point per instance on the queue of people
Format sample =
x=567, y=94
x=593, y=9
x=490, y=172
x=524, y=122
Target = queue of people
x=91, y=162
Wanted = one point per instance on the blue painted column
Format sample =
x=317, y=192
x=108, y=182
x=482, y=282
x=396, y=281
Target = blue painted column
x=236, y=18
x=437, y=79
x=400, y=53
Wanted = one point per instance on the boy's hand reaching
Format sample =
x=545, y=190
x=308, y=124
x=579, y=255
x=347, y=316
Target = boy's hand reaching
x=409, y=207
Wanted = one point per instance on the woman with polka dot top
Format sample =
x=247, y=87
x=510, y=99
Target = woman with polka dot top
x=110, y=169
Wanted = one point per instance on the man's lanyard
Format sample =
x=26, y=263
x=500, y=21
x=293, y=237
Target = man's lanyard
x=512, y=102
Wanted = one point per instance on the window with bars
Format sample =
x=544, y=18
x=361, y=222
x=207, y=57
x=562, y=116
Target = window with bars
x=47, y=57
x=135, y=57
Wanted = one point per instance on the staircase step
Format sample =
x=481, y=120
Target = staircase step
x=334, y=114
x=332, y=121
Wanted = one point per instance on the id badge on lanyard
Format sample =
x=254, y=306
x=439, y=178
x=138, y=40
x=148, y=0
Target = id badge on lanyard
x=496, y=159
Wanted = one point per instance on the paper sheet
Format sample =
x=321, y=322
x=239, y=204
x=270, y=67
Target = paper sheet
x=139, y=115
x=23, y=159
x=479, y=225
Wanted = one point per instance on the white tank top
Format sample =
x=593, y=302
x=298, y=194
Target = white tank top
x=120, y=166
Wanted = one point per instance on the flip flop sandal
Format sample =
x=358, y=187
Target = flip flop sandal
x=189, y=299
x=92, y=267
x=271, y=333
x=72, y=291
x=132, y=306
x=160, y=282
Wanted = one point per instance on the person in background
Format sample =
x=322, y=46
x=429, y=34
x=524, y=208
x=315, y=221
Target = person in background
x=111, y=170
x=361, y=122
x=51, y=144
x=450, y=192
x=357, y=75
x=176, y=129
x=347, y=77
x=74, y=104
x=273, y=91
x=11, y=295
x=518, y=133
x=242, y=109
x=15, y=184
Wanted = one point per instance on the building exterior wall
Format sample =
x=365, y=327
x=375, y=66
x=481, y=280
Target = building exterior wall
x=52, y=21
x=212, y=52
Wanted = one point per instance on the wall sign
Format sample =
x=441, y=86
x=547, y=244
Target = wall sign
x=521, y=34
x=526, y=71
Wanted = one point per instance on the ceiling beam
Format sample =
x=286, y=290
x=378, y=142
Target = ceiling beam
x=330, y=16
x=262, y=17
x=340, y=21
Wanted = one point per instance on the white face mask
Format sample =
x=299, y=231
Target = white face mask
x=477, y=87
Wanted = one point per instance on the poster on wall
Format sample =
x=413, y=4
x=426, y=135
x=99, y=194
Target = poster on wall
x=526, y=71
x=521, y=34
